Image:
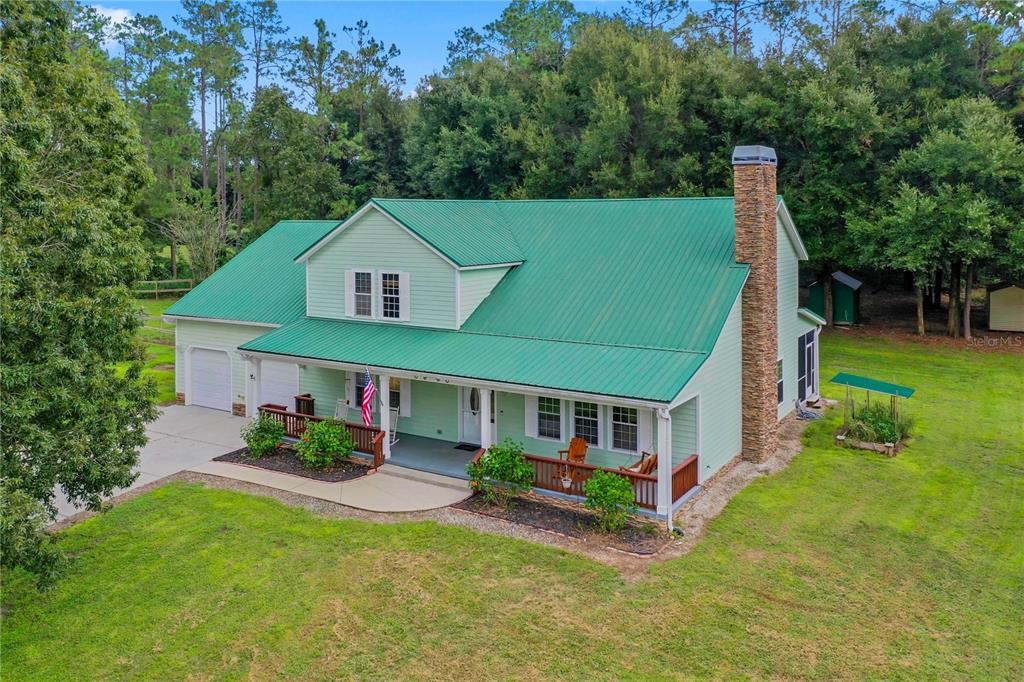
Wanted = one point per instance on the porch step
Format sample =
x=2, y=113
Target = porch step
x=422, y=476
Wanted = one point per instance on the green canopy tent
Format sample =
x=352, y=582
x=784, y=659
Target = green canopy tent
x=851, y=381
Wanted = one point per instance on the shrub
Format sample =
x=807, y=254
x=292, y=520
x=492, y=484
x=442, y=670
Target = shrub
x=501, y=473
x=611, y=496
x=874, y=423
x=324, y=443
x=262, y=435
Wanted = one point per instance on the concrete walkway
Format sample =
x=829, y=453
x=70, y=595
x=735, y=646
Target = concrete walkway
x=181, y=437
x=390, y=489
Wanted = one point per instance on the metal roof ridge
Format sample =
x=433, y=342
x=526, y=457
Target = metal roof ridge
x=470, y=332
x=557, y=201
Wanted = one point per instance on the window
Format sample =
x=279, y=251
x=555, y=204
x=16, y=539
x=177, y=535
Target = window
x=391, y=306
x=549, y=418
x=360, y=385
x=585, y=422
x=395, y=386
x=625, y=435
x=778, y=378
x=364, y=294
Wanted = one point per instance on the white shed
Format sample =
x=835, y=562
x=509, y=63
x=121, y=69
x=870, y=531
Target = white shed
x=1006, y=307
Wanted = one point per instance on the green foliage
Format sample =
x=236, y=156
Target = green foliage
x=324, y=443
x=262, y=435
x=501, y=473
x=611, y=496
x=874, y=423
x=72, y=172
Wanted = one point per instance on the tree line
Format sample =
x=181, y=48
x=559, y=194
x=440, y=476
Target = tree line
x=898, y=125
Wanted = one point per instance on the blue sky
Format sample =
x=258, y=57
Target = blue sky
x=420, y=29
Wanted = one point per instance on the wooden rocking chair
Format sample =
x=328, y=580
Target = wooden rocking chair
x=576, y=454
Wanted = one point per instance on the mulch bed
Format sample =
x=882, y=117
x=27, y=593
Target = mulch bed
x=285, y=461
x=640, y=536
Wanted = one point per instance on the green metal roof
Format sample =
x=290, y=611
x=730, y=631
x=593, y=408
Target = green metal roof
x=263, y=283
x=641, y=373
x=874, y=385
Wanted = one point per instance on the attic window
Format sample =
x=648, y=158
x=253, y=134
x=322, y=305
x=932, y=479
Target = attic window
x=391, y=306
x=364, y=293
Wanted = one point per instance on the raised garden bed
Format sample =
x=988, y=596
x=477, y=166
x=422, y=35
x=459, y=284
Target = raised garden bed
x=285, y=461
x=638, y=537
x=887, y=449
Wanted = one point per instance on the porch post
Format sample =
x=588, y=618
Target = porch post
x=486, y=437
x=255, y=368
x=665, y=464
x=385, y=412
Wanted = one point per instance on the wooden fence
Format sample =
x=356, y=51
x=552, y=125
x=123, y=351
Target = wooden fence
x=164, y=286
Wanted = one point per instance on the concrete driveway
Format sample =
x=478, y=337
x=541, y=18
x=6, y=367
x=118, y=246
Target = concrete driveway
x=180, y=438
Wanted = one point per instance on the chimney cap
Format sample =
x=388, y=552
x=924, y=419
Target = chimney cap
x=753, y=155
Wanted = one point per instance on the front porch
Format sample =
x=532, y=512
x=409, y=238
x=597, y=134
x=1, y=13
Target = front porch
x=550, y=474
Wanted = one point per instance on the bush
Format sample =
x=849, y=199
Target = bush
x=874, y=423
x=611, y=496
x=324, y=443
x=501, y=473
x=263, y=435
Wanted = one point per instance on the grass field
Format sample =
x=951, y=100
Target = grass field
x=845, y=565
x=158, y=339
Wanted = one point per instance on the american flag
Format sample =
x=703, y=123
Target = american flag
x=369, y=391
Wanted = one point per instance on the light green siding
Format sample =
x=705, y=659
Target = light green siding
x=719, y=384
x=375, y=242
x=790, y=325
x=474, y=286
x=684, y=431
x=434, y=407
x=512, y=424
x=220, y=336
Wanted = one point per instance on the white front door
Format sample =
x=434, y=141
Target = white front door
x=279, y=383
x=210, y=378
x=469, y=401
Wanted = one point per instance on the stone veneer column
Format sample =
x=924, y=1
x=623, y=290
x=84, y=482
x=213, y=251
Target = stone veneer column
x=755, y=202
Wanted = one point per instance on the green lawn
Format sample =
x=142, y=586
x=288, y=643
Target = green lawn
x=158, y=339
x=845, y=565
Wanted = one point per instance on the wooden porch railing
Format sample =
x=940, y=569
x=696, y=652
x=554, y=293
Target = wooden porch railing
x=368, y=439
x=550, y=473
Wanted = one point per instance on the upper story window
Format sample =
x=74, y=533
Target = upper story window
x=625, y=429
x=364, y=294
x=549, y=418
x=390, y=295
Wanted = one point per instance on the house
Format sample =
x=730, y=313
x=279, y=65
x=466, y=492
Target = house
x=667, y=326
x=845, y=298
x=1005, y=307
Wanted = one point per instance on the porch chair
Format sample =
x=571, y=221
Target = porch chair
x=393, y=436
x=576, y=454
x=647, y=464
x=341, y=410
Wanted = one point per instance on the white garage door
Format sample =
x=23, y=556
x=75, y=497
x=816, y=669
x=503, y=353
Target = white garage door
x=279, y=383
x=211, y=379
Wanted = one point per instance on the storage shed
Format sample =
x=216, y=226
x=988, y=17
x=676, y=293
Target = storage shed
x=845, y=298
x=1006, y=307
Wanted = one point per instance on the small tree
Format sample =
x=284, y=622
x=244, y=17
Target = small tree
x=611, y=496
x=501, y=473
x=196, y=225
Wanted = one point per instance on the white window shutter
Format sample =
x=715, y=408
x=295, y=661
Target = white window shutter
x=350, y=389
x=350, y=293
x=531, y=416
x=406, y=398
x=644, y=417
x=564, y=429
x=403, y=296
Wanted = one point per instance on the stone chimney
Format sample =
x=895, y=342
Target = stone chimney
x=755, y=200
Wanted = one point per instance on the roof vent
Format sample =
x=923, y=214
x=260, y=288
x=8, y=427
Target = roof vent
x=753, y=155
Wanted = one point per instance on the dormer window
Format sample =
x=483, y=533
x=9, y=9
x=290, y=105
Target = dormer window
x=363, y=293
x=390, y=296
